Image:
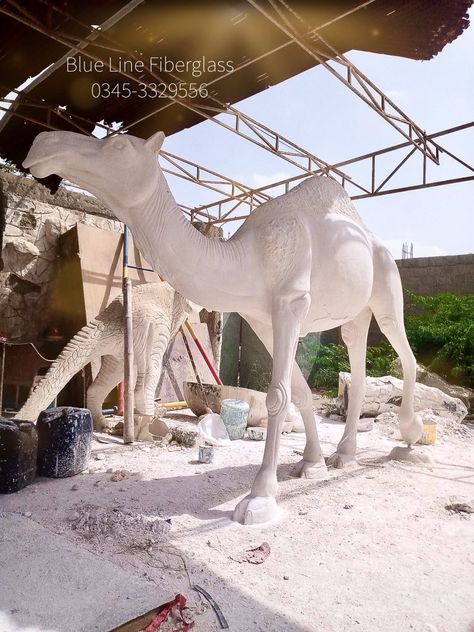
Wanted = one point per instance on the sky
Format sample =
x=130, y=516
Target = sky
x=319, y=113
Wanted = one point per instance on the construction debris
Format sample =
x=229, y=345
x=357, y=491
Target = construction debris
x=253, y=556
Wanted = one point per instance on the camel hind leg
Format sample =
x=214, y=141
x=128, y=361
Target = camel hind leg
x=387, y=305
x=354, y=334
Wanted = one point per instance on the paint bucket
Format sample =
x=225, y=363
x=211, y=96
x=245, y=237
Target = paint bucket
x=206, y=454
x=234, y=414
x=18, y=453
x=64, y=441
x=429, y=433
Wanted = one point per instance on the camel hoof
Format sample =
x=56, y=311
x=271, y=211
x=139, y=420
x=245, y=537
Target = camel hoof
x=338, y=460
x=310, y=469
x=256, y=510
x=412, y=430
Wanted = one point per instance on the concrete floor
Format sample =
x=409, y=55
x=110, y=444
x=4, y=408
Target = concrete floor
x=370, y=549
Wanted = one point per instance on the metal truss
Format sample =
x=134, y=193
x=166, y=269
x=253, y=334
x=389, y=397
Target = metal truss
x=237, y=194
x=241, y=124
x=171, y=163
x=376, y=181
x=93, y=35
x=348, y=74
x=193, y=172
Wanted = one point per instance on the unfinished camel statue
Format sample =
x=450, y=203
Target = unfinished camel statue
x=157, y=314
x=300, y=263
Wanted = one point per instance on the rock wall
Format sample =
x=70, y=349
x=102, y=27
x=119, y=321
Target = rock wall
x=34, y=220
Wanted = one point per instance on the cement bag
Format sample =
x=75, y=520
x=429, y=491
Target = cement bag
x=212, y=430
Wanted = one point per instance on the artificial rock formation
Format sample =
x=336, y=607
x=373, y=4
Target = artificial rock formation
x=429, y=378
x=158, y=313
x=300, y=263
x=34, y=221
x=384, y=394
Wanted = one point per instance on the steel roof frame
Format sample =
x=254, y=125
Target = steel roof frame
x=238, y=193
x=255, y=131
x=375, y=187
x=366, y=90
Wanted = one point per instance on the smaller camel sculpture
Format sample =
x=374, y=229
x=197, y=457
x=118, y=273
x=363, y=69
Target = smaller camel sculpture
x=302, y=262
x=157, y=314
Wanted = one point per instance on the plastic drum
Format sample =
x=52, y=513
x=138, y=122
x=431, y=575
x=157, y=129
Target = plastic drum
x=64, y=441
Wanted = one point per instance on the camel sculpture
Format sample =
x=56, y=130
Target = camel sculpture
x=302, y=262
x=158, y=313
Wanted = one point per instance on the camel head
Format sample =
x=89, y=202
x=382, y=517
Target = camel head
x=121, y=171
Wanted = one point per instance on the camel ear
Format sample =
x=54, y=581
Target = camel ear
x=154, y=142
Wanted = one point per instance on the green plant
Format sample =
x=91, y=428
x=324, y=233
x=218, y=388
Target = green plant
x=441, y=332
x=258, y=379
x=330, y=359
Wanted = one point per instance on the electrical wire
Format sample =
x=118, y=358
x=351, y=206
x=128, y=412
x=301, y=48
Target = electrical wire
x=18, y=344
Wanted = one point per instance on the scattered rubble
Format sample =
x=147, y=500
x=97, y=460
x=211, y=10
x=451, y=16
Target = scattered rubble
x=120, y=475
x=253, y=556
x=126, y=528
x=460, y=508
x=416, y=456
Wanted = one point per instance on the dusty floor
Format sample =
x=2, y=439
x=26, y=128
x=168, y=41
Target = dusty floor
x=371, y=549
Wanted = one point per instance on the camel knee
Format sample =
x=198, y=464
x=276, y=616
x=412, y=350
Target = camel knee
x=278, y=401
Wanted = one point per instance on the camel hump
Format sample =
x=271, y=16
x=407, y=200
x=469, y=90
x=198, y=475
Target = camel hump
x=324, y=195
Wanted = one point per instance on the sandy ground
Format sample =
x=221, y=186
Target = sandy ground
x=371, y=549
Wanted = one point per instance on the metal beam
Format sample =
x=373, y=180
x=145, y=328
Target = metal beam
x=255, y=131
x=248, y=62
x=47, y=72
x=374, y=184
x=173, y=164
x=350, y=76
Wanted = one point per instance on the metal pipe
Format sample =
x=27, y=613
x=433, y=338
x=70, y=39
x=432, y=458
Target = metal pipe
x=128, y=408
x=3, y=341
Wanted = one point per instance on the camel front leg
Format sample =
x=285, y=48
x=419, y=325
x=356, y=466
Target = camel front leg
x=312, y=465
x=287, y=315
x=160, y=342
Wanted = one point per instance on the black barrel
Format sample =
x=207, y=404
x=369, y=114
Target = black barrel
x=18, y=454
x=64, y=441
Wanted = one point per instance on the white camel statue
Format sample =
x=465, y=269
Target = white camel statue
x=302, y=262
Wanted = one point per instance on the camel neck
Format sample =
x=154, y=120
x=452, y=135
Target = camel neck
x=196, y=266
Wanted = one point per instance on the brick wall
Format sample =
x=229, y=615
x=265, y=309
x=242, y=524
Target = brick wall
x=434, y=275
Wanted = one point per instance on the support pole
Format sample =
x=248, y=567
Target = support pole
x=128, y=421
x=3, y=342
x=203, y=353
